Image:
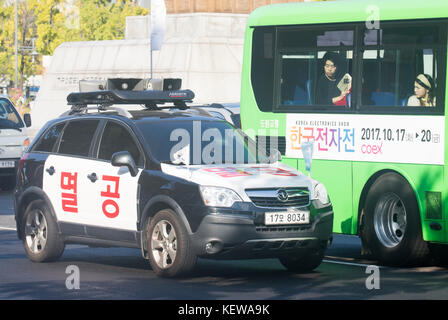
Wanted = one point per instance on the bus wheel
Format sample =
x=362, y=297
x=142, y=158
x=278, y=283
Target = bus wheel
x=392, y=227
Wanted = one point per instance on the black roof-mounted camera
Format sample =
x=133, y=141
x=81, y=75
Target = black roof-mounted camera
x=132, y=91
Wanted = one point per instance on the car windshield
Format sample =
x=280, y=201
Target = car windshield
x=200, y=142
x=9, y=118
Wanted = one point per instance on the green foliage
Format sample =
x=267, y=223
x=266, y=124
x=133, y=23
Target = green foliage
x=51, y=22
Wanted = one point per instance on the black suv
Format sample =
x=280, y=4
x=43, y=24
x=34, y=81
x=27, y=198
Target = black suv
x=176, y=184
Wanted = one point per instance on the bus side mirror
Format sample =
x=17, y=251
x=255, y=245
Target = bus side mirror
x=124, y=159
x=27, y=119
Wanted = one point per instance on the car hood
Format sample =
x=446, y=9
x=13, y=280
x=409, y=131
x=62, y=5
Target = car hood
x=240, y=177
x=12, y=137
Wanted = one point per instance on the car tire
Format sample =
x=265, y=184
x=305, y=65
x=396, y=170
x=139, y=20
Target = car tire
x=40, y=235
x=169, y=245
x=392, y=226
x=305, y=263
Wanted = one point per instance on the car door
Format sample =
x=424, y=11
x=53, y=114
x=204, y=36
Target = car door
x=65, y=173
x=114, y=199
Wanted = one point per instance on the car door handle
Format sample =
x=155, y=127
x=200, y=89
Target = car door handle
x=92, y=177
x=51, y=170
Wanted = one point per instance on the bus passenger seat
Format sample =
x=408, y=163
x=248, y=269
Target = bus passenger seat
x=300, y=96
x=383, y=98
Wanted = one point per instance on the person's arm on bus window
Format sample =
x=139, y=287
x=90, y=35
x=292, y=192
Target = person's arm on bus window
x=341, y=100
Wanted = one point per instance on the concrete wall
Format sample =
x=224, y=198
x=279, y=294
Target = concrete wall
x=204, y=49
x=223, y=6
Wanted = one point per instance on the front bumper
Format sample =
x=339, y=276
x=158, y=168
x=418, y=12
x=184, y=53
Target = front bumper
x=9, y=171
x=243, y=235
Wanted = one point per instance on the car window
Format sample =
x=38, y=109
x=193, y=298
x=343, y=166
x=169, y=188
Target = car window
x=219, y=142
x=117, y=138
x=77, y=137
x=9, y=118
x=48, y=140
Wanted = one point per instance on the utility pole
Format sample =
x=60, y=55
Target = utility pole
x=16, y=84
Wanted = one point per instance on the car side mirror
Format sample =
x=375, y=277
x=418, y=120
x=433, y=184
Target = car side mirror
x=124, y=159
x=27, y=119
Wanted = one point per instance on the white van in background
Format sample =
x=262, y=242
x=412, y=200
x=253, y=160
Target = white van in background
x=13, y=141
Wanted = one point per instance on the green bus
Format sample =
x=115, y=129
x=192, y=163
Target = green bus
x=366, y=82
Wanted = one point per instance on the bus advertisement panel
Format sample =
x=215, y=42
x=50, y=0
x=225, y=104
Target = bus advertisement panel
x=367, y=84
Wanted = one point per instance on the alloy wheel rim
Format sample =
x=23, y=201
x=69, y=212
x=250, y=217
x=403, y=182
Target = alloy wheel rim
x=390, y=220
x=36, y=231
x=164, y=244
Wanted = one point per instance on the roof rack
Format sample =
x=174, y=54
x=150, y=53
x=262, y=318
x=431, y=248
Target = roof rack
x=133, y=93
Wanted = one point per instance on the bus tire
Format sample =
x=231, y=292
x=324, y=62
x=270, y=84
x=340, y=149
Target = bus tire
x=392, y=226
x=169, y=246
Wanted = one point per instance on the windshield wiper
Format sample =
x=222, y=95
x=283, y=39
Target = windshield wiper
x=171, y=163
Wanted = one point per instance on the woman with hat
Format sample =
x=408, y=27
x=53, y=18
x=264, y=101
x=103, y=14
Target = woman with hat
x=423, y=92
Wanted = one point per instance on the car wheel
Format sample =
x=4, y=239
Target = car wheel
x=169, y=247
x=305, y=263
x=40, y=234
x=392, y=227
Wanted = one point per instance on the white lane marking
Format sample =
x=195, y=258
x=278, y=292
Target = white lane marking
x=8, y=228
x=364, y=265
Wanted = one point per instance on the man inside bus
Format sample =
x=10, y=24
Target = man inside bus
x=333, y=87
x=423, y=96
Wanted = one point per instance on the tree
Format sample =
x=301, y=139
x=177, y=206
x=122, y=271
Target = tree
x=26, y=29
x=50, y=26
x=103, y=20
x=6, y=41
x=51, y=22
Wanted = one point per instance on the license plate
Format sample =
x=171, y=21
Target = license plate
x=7, y=164
x=288, y=217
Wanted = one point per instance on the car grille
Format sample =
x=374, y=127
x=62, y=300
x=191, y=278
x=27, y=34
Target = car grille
x=267, y=198
x=283, y=229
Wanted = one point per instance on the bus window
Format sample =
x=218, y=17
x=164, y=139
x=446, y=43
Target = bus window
x=304, y=77
x=392, y=59
x=262, y=71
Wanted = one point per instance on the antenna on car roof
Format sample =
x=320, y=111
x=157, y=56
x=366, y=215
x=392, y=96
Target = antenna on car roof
x=129, y=91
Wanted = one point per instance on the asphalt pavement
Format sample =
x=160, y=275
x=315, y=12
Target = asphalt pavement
x=120, y=273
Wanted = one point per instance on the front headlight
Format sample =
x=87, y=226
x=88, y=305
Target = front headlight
x=321, y=194
x=218, y=197
x=25, y=145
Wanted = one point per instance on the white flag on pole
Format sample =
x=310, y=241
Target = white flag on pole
x=158, y=17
